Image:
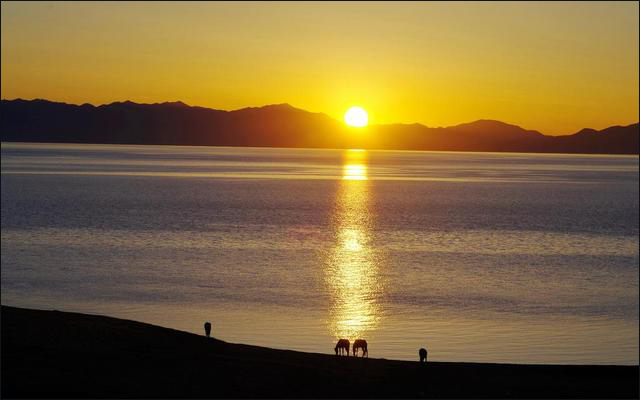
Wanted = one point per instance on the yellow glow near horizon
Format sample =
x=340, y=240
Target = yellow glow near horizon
x=356, y=116
x=555, y=67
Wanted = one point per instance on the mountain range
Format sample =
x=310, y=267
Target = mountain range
x=280, y=125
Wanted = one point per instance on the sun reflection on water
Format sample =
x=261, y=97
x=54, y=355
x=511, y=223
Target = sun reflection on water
x=352, y=272
x=354, y=172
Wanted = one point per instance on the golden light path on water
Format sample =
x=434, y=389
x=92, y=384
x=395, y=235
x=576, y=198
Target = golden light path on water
x=352, y=274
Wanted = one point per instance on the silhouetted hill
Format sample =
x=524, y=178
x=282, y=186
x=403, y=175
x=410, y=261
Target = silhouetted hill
x=481, y=135
x=488, y=135
x=280, y=125
x=51, y=354
x=166, y=123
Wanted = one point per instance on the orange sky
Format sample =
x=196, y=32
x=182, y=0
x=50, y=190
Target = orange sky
x=551, y=66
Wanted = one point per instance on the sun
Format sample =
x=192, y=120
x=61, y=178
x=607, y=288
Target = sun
x=356, y=116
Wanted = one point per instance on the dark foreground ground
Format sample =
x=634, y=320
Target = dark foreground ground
x=50, y=354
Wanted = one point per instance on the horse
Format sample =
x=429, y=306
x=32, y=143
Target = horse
x=360, y=344
x=207, y=328
x=423, y=355
x=342, y=346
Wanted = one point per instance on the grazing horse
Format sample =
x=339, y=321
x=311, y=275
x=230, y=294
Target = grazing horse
x=360, y=344
x=342, y=346
x=207, y=328
x=423, y=355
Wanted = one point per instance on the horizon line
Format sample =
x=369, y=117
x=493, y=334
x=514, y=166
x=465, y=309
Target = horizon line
x=180, y=102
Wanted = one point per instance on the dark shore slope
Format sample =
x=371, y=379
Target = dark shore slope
x=50, y=354
x=280, y=125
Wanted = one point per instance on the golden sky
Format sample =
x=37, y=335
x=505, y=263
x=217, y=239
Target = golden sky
x=555, y=67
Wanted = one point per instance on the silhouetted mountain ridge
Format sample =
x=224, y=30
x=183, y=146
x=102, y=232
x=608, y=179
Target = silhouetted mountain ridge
x=495, y=127
x=280, y=125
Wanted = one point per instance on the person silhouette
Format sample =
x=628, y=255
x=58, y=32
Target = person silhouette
x=207, y=328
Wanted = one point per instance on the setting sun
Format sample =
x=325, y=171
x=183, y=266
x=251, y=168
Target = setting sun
x=356, y=116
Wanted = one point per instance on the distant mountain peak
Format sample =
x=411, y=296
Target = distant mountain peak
x=133, y=103
x=587, y=131
x=488, y=123
x=494, y=126
x=120, y=103
x=173, y=104
x=280, y=105
x=269, y=106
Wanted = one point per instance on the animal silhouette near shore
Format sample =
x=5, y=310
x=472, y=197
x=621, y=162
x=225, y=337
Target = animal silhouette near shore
x=360, y=344
x=207, y=328
x=423, y=355
x=342, y=347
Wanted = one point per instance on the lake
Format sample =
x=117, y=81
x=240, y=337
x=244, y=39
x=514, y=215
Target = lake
x=484, y=257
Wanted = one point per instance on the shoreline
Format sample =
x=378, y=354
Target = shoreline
x=538, y=153
x=53, y=354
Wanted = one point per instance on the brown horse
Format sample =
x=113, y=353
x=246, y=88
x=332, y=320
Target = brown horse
x=342, y=346
x=423, y=355
x=360, y=344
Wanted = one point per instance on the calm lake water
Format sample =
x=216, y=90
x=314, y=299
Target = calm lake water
x=519, y=258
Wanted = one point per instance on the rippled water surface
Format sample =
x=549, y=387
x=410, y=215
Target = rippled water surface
x=505, y=257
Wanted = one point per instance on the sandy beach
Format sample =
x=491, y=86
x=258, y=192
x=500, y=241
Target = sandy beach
x=51, y=354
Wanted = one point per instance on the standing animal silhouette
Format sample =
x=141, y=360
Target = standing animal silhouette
x=207, y=328
x=342, y=346
x=423, y=355
x=360, y=344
